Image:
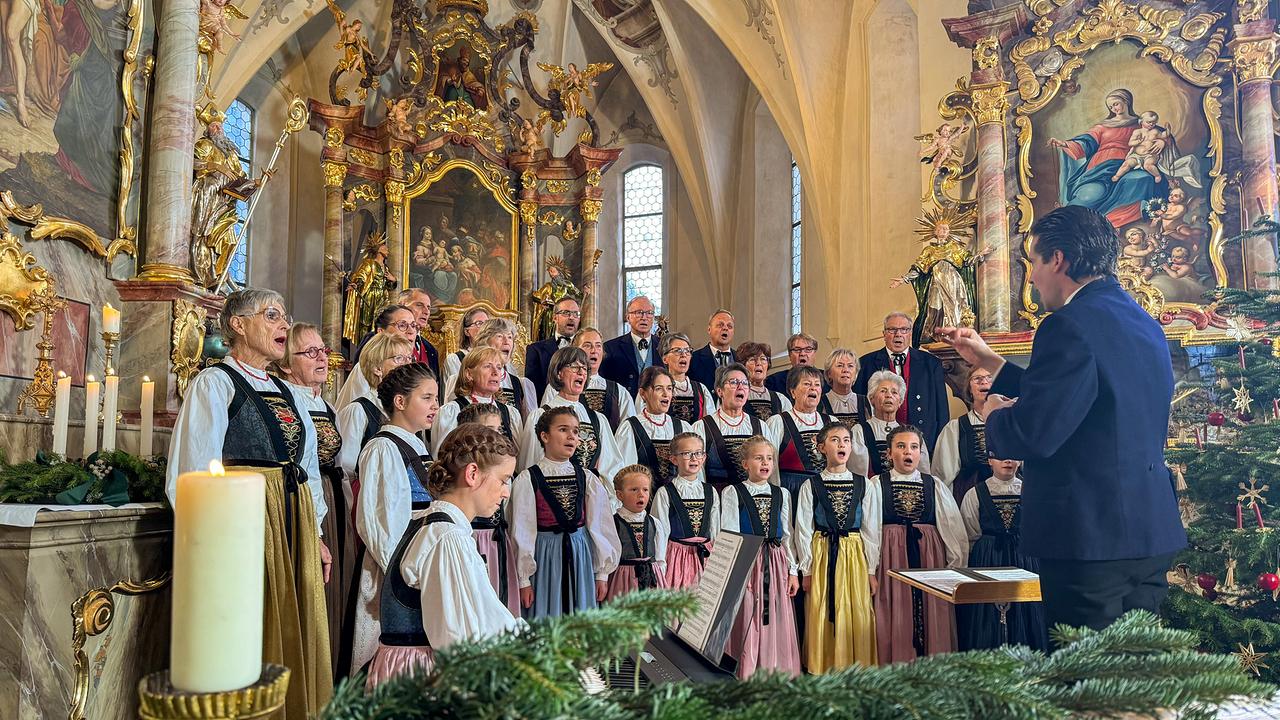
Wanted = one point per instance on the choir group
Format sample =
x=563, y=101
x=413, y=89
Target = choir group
x=454, y=504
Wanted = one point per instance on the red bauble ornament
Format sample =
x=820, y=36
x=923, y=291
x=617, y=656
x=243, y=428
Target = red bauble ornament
x=1210, y=595
x=1206, y=581
x=1217, y=419
x=1265, y=341
x=1269, y=581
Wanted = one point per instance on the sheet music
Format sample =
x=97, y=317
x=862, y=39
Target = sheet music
x=1006, y=574
x=696, y=629
x=945, y=580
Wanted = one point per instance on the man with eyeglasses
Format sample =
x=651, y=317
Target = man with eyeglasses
x=802, y=349
x=537, y=356
x=627, y=355
x=925, y=404
x=717, y=353
x=397, y=320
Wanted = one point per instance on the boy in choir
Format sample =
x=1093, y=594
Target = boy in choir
x=393, y=467
x=921, y=528
x=761, y=401
x=687, y=513
x=764, y=633
x=725, y=429
x=645, y=438
x=838, y=549
x=567, y=376
x=690, y=399
x=492, y=532
x=992, y=513
x=885, y=391
x=436, y=591
x=566, y=543
x=644, y=544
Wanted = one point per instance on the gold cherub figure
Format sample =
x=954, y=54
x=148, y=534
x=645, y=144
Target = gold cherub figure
x=353, y=46
x=573, y=85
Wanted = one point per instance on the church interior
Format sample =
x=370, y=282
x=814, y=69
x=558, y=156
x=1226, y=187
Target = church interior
x=808, y=167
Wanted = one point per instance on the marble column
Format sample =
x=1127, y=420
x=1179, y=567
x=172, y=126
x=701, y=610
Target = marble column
x=1253, y=53
x=335, y=173
x=994, y=301
x=590, y=209
x=172, y=133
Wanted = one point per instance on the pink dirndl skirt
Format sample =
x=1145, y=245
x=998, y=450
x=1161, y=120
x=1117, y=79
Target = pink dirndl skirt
x=758, y=646
x=392, y=660
x=490, y=551
x=684, y=567
x=623, y=580
x=895, y=624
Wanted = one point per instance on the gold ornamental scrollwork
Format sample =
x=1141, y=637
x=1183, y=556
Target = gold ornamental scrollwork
x=1113, y=20
x=528, y=180
x=989, y=103
x=186, y=342
x=499, y=176
x=593, y=177
x=366, y=191
x=41, y=390
x=559, y=187
x=396, y=158
x=333, y=137
x=590, y=210
x=1198, y=26
x=334, y=173
x=529, y=216
x=1148, y=296
x=126, y=232
x=1252, y=59
x=459, y=118
x=1250, y=10
x=986, y=53
x=394, y=190
x=364, y=157
x=91, y=615
x=551, y=219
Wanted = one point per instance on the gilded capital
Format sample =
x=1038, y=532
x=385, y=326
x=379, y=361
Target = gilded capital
x=590, y=210
x=334, y=173
x=989, y=103
x=1252, y=58
x=333, y=137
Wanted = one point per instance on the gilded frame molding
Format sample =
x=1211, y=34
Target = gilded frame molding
x=91, y=614
x=186, y=342
x=127, y=233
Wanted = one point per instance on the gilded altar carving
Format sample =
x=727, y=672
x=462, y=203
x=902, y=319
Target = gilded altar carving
x=573, y=86
x=91, y=615
x=369, y=289
x=593, y=177
x=989, y=103
x=1148, y=296
x=1250, y=10
x=1198, y=26
x=186, y=342
x=528, y=180
x=364, y=157
x=40, y=391
x=126, y=232
x=551, y=218
x=986, y=53
x=334, y=137
x=1112, y=20
x=334, y=173
x=1252, y=59
x=459, y=119
x=590, y=210
x=219, y=183
x=529, y=216
x=559, y=187
x=365, y=191
x=396, y=158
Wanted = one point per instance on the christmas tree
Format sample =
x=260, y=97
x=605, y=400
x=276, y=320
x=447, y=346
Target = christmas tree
x=1226, y=456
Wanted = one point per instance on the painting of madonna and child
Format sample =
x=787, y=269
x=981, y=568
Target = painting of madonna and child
x=460, y=242
x=1130, y=140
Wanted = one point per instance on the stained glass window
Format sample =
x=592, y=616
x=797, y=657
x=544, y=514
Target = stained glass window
x=642, y=239
x=795, y=247
x=238, y=126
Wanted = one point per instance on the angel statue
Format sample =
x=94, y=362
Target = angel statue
x=398, y=116
x=943, y=275
x=219, y=182
x=573, y=85
x=353, y=46
x=942, y=144
x=213, y=24
x=369, y=288
x=558, y=286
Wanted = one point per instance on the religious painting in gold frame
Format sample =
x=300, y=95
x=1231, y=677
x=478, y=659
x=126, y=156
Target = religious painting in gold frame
x=461, y=237
x=1114, y=74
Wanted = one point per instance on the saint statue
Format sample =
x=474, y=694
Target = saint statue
x=558, y=286
x=943, y=275
x=369, y=289
x=220, y=181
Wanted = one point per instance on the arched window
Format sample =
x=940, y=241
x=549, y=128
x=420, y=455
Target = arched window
x=795, y=247
x=239, y=129
x=642, y=240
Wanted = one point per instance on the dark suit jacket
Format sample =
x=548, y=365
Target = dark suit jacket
x=926, y=397
x=537, y=358
x=619, y=363
x=1090, y=423
x=423, y=351
x=702, y=367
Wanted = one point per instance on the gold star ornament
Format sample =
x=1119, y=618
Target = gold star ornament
x=1243, y=401
x=1251, y=660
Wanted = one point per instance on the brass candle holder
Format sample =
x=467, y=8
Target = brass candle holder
x=41, y=391
x=109, y=341
x=159, y=700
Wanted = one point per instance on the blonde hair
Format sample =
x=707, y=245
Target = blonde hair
x=467, y=444
x=754, y=441
x=379, y=349
x=281, y=367
x=470, y=362
x=619, y=480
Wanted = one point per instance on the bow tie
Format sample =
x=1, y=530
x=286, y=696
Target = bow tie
x=563, y=339
x=643, y=344
x=724, y=357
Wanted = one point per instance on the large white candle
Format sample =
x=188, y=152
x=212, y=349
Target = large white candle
x=92, y=389
x=219, y=531
x=110, y=319
x=110, y=396
x=61, y=413
x=145, y=413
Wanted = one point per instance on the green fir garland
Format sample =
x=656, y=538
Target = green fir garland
x=112, y=478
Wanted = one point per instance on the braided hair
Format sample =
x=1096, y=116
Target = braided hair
x=466, y=445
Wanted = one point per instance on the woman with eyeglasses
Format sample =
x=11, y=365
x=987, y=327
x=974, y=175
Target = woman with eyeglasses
x=690, y=399
x=960, y=457
x=597, y=452
x=607, y=397
x=395, y=321
x=237, y=413
x=725, y=429
x=761, y=401
x=479, y=382
x=361, y=419
x=468, y=327
x=645, y=438
x=516, y=391
x=306, y=365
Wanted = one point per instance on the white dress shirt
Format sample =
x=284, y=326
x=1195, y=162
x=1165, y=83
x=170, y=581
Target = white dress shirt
x=352, y=421
x=657, y=427
x=353, y=387
x=969, y=506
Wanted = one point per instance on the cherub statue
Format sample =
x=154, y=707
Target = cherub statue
x=942, y=144
x=943, y=275
x=213, y=22
x=530, y=138
x=352, y=44
x=573, y=85
x=558, y=286
x=398, y=116
x=369, y=288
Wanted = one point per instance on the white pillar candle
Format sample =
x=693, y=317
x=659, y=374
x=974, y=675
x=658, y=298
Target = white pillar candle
x=110, y=396
x=219, y=532
x=92, y=390
x=110, y=319
x=61, y=413
x=145, y=413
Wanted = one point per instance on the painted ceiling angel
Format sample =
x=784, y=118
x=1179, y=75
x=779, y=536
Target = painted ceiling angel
x=943, y=274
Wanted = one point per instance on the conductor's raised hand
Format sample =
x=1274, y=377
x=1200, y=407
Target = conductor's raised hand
x=970, y=345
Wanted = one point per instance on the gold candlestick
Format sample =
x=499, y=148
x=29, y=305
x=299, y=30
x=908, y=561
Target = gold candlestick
x=41, y=391
x=109, y=341
x=159, y=700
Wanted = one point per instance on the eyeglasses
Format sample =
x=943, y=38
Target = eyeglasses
x=402, y=359
x=641, y=313
x=272, y=315
x=679, y=352
x=577, y=368
x=737, y=383
x=475, y=323
x=569, y=313
x=315, y=353
x=691, y=454
x=804, y=349
x=897, y=331
x=405, y=326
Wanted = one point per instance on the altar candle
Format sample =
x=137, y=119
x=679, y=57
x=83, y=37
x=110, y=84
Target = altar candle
x=145, y=413
x=110, y=319
x=61, y=411
x=92, y=389
x=219, y=531
x=110, y=396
